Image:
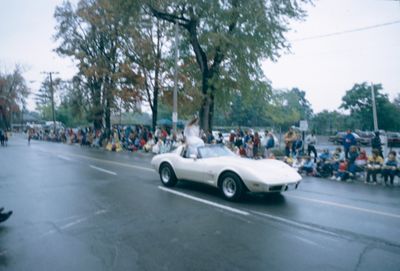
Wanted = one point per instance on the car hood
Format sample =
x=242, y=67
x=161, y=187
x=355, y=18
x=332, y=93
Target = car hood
x=267, y=170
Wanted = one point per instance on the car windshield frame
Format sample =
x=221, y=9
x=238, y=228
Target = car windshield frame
x=214, y=151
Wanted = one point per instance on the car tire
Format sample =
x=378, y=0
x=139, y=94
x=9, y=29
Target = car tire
x=167, y=175
x=231, y=186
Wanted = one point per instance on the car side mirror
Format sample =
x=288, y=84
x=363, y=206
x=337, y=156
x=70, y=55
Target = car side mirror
x=193, y=156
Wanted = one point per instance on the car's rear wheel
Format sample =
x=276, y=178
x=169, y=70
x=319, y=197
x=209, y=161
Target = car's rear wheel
x=231, y=186
x=167, y=175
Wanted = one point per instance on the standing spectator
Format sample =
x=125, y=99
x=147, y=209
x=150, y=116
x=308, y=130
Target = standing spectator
x=232, y=139
x=298, y=146
x=348, y=141
x=270, y=143
x=249, y=149
x=289, y=138
x=220, y=139
x=311, y=141
x=256, y=145
x=376, y=143
x=238, y=141
x=390, y=167
x=246, y=138
x=2, y=137
x=210, y=137
x=374, y=166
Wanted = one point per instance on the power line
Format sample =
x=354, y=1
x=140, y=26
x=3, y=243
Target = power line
x=347, y=31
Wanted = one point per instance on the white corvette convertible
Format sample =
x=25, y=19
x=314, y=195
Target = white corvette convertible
x=216, y=165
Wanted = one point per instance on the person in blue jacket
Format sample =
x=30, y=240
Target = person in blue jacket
x=348, y=141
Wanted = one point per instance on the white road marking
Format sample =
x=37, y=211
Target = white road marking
x=293, y=223
x=113, y=162
x=103, y=170
x=345, y=206
x=307, y=241
x=64, y=158
x=230, y=209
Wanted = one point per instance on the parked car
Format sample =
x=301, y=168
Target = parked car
x=365, y=137
x=393, y=139
x=339, y=137
x=217, y=166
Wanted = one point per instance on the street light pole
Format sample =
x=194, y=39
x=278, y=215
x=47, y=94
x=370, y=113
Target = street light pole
x=374, y=108
x=52, y=98
x=175, y=98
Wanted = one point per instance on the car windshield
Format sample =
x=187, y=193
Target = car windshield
x=214, y=151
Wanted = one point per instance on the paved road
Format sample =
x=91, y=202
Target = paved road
x=84, y=209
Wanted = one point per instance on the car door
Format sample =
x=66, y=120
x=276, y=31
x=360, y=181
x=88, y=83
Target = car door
x=190, y=169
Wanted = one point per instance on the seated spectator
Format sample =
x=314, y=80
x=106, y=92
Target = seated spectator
x=298, y=163
x=308, y=166
x=352, y=157
x=390, y=168
x=342, y=174
x=324, y=166
x=374, y=166
x=288, y=160
x=337, y=156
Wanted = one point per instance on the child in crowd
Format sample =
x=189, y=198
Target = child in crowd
x=298, y=163
x=288, y=160
x=242, y=151
x=337, y=156
x=342, y=174
x=374, y=166
x=390, y=168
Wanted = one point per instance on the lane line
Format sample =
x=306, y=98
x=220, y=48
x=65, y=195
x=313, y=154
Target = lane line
x=307, y=241
x=345, y=206
x=294, y=223
x=113, y=162
x=103, y=170
x=211, y=203
x=64, y=158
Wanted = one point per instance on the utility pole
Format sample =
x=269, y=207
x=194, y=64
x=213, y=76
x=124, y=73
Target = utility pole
x=175, y=101
x=52, y=98
x=374, y=108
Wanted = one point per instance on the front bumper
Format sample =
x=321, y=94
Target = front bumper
x=273, y=188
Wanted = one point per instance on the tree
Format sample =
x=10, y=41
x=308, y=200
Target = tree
x=91, y=35
x=228, y=40
x=144, y=42
x=46, y=96
x=13, y=92
x=358, y=100
x=327, y=122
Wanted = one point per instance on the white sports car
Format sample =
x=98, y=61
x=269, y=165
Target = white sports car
x=216, y=165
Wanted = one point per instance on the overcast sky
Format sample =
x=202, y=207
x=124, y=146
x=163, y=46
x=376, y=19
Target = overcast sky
x=324, y=67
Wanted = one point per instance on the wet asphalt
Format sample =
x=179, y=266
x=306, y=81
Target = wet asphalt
x=85, y=209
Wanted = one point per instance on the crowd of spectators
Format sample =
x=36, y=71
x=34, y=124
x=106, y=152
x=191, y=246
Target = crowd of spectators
x=343, y=164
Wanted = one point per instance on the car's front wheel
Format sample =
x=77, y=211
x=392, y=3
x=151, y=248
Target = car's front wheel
x=167, y=175
x=231, y=186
